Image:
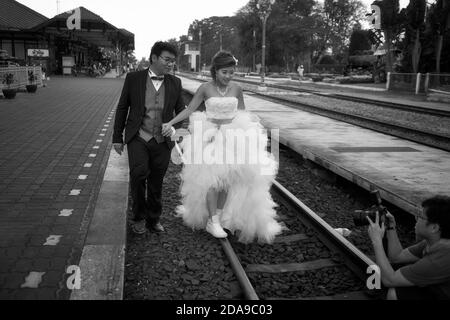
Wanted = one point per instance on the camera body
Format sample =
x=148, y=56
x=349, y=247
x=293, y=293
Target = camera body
x=360, y=216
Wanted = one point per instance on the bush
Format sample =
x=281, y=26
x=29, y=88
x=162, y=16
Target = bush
x=8, y=79
x=328, y=60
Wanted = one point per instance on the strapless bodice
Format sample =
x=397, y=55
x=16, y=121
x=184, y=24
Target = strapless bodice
x=221, y=108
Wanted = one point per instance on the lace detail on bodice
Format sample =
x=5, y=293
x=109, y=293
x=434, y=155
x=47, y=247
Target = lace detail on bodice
x=221, y=108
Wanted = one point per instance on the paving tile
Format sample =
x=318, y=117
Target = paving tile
x=14, y=280
x=39, y=166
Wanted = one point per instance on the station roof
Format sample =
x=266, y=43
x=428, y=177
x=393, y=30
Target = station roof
x=15, y=16
x=93, y=29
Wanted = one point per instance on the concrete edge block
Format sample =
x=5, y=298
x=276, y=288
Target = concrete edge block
x=102, y=271
x=102, y=263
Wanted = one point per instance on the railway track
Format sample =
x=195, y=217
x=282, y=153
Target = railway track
x=340, y=257
x=391, y=105
x=387, y=104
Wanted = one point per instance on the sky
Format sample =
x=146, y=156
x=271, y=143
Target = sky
x=149, y=20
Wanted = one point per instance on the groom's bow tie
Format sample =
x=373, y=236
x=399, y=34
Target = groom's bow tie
x=160, y=78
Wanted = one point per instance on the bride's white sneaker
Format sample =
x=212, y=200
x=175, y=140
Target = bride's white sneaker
x=214, y=228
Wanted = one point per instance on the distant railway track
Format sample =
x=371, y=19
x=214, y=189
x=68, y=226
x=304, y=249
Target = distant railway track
x=392, y=105
x=424, y=137
x=387, y=104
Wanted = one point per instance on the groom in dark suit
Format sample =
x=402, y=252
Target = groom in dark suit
x=149, y=98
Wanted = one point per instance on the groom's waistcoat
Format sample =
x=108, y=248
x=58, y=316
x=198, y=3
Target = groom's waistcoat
x=151, y=126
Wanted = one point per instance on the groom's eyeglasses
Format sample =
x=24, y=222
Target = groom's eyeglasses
x=168, y=60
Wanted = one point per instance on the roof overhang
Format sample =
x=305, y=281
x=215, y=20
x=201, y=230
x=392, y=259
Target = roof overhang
x=94, y=30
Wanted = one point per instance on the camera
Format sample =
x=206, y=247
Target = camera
x=360, y=216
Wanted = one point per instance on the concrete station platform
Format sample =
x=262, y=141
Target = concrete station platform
x=404, y=172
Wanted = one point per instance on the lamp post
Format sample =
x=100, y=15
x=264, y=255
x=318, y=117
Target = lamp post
x=200, y=53
x=264, y=8
x=254, y=51
x=178, y=57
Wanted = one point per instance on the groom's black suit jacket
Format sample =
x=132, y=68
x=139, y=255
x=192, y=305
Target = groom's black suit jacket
x=131, y=107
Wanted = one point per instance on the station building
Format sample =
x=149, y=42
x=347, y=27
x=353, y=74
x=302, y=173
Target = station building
x=73, y=39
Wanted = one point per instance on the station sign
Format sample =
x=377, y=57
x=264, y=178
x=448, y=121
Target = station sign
x=40, y=53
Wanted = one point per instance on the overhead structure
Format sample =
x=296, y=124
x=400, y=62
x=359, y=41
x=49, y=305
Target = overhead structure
x=76, y=38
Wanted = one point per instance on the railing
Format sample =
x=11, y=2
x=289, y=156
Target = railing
x=438, y=82
x=20, y=76
x=418, y=82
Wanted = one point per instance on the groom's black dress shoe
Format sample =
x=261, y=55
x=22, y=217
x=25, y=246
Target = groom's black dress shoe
x=157, y=227
x=138, y=227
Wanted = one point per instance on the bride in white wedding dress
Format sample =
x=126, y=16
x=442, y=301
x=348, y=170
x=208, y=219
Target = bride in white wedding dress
x=227, y=171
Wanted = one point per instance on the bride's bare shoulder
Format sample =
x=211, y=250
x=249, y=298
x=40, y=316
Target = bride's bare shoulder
x=207, y=88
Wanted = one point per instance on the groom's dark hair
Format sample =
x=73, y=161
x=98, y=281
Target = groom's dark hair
x=161, y=46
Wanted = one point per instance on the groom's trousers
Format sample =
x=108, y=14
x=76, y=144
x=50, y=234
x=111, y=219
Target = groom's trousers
x=148, y=162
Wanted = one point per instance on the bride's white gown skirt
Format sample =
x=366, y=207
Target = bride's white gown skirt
x=230, y=157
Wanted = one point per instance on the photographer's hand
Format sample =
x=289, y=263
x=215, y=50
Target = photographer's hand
x=391, y=224
x=376, y=232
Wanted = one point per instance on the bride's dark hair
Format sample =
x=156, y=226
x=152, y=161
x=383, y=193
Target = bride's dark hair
x=222, y=59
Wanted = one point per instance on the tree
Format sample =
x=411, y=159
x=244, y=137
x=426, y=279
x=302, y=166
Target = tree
x=392, y=24
x=415, y=21
x=359, y=42
x=440, y=25
x=290, y=31
x=337, y=19
x=143, y=64
x=217, y=32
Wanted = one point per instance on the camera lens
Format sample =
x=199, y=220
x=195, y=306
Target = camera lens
x=360, y=218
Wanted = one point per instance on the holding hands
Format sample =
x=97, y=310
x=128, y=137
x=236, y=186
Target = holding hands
x=167, y=129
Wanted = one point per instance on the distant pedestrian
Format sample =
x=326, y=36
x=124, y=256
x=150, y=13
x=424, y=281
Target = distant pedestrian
x=300, y=71
x=44, y=77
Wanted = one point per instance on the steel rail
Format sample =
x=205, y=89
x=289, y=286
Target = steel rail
x=239, y=272
x=380, y=103
x=357, y=261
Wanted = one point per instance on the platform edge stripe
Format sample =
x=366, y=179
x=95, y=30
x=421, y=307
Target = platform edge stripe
x=102, y=263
